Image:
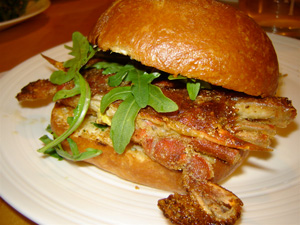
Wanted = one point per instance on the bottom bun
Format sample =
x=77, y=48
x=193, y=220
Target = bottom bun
x=133, y=165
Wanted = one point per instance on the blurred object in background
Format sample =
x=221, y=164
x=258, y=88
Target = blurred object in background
x=13, y=12
x=11, y=9
x=276, y=16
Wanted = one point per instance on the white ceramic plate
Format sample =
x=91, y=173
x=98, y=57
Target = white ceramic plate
x=33, y=8
x=59, y=192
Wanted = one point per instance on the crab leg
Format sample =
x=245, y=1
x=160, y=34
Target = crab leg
x=204, y=203
x=203, y=199
x=173, y=152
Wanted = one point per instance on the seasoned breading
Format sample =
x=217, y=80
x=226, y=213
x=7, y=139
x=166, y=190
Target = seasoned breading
x=219, y=116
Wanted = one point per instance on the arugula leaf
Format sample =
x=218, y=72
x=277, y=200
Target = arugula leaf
x=82, y=52
x=70, y=120
x=159, y=101
x=100, y=126
x=59, y=153
x=193, y=86
x=108, y=66
x=66, y=93
x=140, y=87
x=79, y=114
x=119, y=93
x=178, y=77
x=123, y=124
x=50, y=151
x=193, y=89
x=73, y=146
x=120, y=71
x=117, y=79
x=135, y=97
x=59, y=77
x=76, y=154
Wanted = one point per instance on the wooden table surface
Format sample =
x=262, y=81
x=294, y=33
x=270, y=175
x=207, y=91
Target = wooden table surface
x=48, y=29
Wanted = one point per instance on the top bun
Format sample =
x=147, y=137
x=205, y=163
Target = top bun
x=202, y=39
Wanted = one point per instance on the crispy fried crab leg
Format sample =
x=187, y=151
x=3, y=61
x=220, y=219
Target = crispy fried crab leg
x=204, y=201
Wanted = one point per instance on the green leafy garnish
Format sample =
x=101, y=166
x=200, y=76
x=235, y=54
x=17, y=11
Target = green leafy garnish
x=140, y=88
x=159, y=102
x=100, y=126
x=135, y=97
x=76, y=154
x=59, y=153
x=193, y=89
x=193, y=86
x=137, y=93
x=122, y=124
x=50, y=151
x=82, y=52
x=119, y=93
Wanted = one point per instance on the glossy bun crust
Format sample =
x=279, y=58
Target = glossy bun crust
x=133, y=166
x=201, y=39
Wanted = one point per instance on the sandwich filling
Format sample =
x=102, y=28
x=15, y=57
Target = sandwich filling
x=218, y=124
x=181, y=127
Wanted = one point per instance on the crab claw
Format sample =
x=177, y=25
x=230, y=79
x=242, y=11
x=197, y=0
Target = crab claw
x=205, y=203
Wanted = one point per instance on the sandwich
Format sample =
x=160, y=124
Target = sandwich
x=169, y=94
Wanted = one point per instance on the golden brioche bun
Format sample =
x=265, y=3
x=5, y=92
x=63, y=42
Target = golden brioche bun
x=132, y=165
x=202, y=39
